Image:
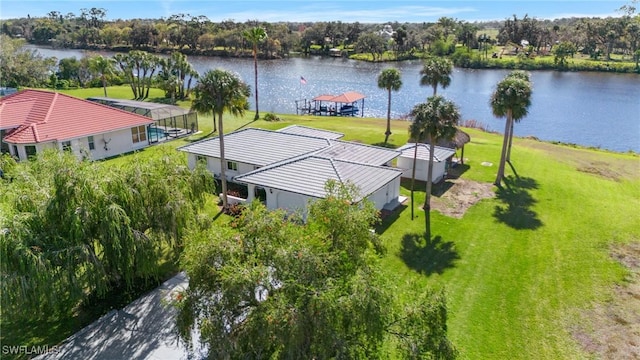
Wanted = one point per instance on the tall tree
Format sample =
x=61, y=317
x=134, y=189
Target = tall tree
x=79, y=228
x=138, y=68
x=436, y=71
x=176, y=74
x=22, y=67
x=517, y=115
x=433, y=121
x=280, y=289
x=219, y=91
x=104, y=67
x=389, y=79
x=511, y=99
x=255, y=36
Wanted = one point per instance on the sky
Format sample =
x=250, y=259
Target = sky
x=363, y=11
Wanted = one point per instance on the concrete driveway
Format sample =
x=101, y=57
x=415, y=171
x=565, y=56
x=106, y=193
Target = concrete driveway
x=144, y=329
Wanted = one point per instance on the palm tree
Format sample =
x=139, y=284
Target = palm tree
x=523, y=75
x=219, y=91
x=436, y=71
x=433, y=121
x=389, y=79
x=102, y=66
x=511, y=99
x=255, y=35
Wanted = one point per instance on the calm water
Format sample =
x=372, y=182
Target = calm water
x=591, y=109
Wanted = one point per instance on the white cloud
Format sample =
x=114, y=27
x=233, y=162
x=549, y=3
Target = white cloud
x=342, y=12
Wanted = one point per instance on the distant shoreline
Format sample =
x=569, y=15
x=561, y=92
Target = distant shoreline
x=507, y=63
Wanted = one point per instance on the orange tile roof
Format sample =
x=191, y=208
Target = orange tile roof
x=43, y=116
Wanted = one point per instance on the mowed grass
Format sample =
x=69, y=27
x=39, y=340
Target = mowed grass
x=519, y=269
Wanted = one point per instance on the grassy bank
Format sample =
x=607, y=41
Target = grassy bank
x=520, y=269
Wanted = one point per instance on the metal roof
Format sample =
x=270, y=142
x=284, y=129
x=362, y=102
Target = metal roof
x=360, y=153
x=308, y=176
x=440, y=153
x=309, y=131
x=257, y=146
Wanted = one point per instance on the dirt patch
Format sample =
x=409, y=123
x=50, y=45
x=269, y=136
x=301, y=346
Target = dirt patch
x=615, y=326
x=601, y=169
x=609, y=165
x=453, y=197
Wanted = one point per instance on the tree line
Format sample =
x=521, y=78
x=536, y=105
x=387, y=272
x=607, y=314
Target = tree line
x=190, y=34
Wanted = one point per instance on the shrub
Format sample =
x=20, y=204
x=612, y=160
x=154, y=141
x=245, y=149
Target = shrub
x=271, y=117
x=235, y=210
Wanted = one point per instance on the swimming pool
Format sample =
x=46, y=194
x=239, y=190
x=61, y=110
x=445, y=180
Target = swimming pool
x=156, y=134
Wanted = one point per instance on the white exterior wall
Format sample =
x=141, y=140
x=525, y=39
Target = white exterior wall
x=213, y=164
x=386, y=194
x=116, y=142
x=422, y=168
x=291, y=202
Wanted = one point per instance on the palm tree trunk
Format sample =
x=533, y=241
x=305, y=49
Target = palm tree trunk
x=413, y=173
x=104, y=85
x=503, y=155
x=510, y=142
x=255, y=73
x=427, y=200
x=223, y=166
x=388, y=132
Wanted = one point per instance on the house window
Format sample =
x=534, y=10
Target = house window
x=30, y=150
x=201, y=158
x=92, y=145
x=138, y=134
x=232, y=165
x=66, y=146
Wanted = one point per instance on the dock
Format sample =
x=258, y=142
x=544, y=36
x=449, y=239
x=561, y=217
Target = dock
x=345, y=104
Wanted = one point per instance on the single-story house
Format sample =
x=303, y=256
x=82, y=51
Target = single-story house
x=35, y=120
x=441, y=157
x=309, y=131
x=291, y=185
x=292, y=166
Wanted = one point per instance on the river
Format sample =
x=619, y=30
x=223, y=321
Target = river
x=585, y=108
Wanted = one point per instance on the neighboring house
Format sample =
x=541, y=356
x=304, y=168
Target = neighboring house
x=441, y=158
x=387, y=32
x=35, y=120
x=292, y=165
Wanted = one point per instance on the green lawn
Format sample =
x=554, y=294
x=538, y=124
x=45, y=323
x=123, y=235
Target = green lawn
x=519, y=269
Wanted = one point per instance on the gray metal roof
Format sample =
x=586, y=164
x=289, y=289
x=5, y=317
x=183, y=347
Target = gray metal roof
x=308, y=176
x=309, y=131
x=360, y=153
x=257, y=146
x=440, y=153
